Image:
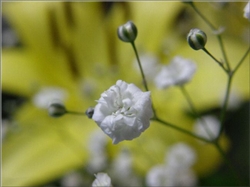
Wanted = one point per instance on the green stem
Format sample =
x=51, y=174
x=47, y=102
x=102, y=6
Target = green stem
x=142, y=74
x=197, y=115
x=75, y=113
x=206, y=51
x=213, y=29
x=139, y=63
x=225, y=104
x=241, y=61
x=180, y=129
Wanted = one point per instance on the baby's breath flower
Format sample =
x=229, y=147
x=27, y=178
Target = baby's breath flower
x=178, y=72
x=165, y=175
x=123, y=111
x=56, y=108
x=98, y=156
x=180, y=155
x=208, y=127
x=247, y=11
x=43, y=98
x=102, y=180
x=197, y=39
x=127, y=32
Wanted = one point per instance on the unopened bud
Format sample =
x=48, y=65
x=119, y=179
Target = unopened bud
x=197, y=39
x=89, y=112
x=56, y=109
x=127, y=32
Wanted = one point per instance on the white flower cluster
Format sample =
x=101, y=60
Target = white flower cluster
x=47, y=94
x=247, y=11
x=207, y=127
x=123, y=112
x=98, y=155
x=102, y=180
x=177, y=169
x=178, y=72
x=122, y=171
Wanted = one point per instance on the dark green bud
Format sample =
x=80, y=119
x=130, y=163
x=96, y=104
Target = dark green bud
x=127, y=32
x=197, y=39
x=56, y=109
x=89, y=112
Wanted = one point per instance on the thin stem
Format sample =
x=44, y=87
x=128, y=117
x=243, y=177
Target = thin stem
x=75, y=113
x=142, y=73
x=214, y=29
x=223, y=52
x=202, y=16
x=225, y=104
x=181, y=129
x=206, y=51
x=197, y=115
x=139, y=63
x=189, y=100
x=241, y=61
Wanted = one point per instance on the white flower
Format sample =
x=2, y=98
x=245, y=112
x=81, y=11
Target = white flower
x=102, y=180
x=150, y=65
x=178, y=72
x=123, y=111
x=160, y=175
x=98, y=156
x=122, y=170
x=247, y=11
x=180, y=155
x=164, y=175
x=207, y=127
x=43, y=98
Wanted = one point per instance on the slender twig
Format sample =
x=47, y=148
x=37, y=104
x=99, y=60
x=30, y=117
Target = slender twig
x=195, y=112
x=142, y=74
x=225, y=104
x=241, y=61
x=75, y=113
x=180, y=129
x=214, y=29
x=140, y=66
x=218, y=62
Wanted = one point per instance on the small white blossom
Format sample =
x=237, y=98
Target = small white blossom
x=160, y=175
x=97, y=148
x=43, y=98
x=207, y=127
x=122, y=170
x=247, y=11
x=180, y=155
x=178, y=72
x=123, y=112
x=102, y=180
x=164, y=175
x=150, y=65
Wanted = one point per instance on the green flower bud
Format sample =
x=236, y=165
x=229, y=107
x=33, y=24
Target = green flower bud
x=197, y=39
x=89, y=112
x=127, y=32
x=56, y=109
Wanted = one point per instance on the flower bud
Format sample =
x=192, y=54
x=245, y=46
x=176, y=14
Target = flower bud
x=56, y=109
x=89, y=112
x=197, y=39
x=127, y=32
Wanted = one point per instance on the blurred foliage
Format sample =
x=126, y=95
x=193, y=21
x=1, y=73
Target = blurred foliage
x=73, y=45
